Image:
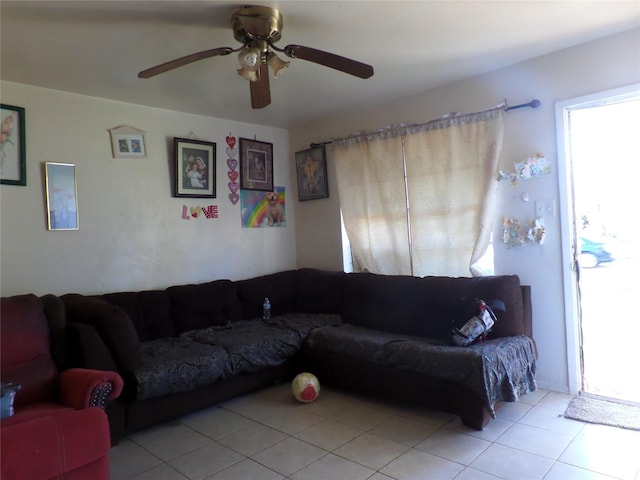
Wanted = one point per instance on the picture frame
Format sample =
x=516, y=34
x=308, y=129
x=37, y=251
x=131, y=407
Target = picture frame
x=311, y=173
x=127, y=142
x=195, y=168
x=256, y=165
x=62, y=196
x=13, y=155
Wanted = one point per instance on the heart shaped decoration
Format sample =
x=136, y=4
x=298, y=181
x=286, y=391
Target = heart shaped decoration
x=232, y=163
x=232, y=152
x=231, y=141
x=233, y=176
x=234, y=197
x=234, y=186
x=195, y=211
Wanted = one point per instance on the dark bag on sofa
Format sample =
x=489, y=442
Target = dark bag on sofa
x=476, y=322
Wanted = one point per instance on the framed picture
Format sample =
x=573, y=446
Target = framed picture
x=13, y=156
x=256, y=165
x=195, y=163
x=311, y=169
x=127, y=142
x=62, y=196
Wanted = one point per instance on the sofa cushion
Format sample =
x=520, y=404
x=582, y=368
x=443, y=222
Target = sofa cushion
x=497, y=370
x=251, y=345
x=177, y=364
x=278, y=287
x=200, y=306
x=148, y=310
x=319, y=291
x=25, y=349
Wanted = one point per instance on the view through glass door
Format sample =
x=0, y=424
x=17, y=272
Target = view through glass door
x=604, y=141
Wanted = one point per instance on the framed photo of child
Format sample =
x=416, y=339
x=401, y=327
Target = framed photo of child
x=195, y=168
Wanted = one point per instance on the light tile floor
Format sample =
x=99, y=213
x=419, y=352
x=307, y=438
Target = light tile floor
x=267, y=435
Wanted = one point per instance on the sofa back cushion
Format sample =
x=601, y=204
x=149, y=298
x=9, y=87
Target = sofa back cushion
x=148, y=310
x=381, y=302
x=441, y=300
x=204, y=305
x=25, y=355
x=427, y=306
x=278, y=287
x=319, y=291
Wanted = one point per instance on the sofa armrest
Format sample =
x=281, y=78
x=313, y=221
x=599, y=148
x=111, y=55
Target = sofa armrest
x=89, y=350
x=113, y=325
x=82, y=387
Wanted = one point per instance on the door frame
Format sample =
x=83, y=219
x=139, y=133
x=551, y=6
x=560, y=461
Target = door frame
x=568, y=236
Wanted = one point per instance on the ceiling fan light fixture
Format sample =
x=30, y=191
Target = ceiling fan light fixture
x=277, y=64
x=249, y=58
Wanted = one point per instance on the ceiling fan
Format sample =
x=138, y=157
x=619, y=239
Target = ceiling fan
x=258, y=29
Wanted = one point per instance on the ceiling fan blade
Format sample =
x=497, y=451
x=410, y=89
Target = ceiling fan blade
x=330, y=60
x=179, y=62
x=260, y=91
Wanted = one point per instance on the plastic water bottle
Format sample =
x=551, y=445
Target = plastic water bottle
x=266, y=309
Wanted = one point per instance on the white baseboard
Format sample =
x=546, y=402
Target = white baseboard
x=554, y=387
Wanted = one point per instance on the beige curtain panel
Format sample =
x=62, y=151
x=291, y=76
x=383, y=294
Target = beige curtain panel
x=420, y=200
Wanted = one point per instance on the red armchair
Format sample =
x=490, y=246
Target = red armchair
x=59, y=428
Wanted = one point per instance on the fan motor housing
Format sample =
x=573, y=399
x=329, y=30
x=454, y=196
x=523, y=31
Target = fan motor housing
x=252, y=23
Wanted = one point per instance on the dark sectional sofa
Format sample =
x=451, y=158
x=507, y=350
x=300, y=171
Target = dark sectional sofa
x=191, y=346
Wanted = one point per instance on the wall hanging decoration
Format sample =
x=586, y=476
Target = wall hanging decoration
x=256, y=165
x=534, y=166
x=127, y=142
x=311, y=168
x=13, y=156
x=232, y=163
x=62, y=196
x=516, y=235
x=195, y=164
x=208, y=212
x=260, y=209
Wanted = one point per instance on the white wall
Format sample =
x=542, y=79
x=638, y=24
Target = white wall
x=131, y=234
x=596, y=66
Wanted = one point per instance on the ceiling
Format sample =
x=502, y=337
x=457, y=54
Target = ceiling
x=97, y=48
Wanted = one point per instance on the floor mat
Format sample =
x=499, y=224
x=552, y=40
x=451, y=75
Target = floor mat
x=603, y=412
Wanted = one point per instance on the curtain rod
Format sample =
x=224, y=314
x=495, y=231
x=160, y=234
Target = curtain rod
x=535, y=103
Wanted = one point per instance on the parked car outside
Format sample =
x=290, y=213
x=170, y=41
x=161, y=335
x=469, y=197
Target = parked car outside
x=593, y=253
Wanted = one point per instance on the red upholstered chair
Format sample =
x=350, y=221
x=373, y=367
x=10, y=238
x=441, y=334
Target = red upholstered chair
x=59, y=429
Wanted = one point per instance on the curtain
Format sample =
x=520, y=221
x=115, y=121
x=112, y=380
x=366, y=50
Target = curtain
x=420, y=199
x=373, y=201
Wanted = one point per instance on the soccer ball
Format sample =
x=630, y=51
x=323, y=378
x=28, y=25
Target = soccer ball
x=305, y=387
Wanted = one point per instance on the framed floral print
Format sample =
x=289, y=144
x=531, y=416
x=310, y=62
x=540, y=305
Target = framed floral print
x=13, y=156
x=62, y=196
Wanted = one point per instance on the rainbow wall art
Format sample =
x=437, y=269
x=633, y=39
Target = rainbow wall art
x=263, y=209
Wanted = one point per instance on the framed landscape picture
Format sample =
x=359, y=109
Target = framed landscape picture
x=13, y=157
x=195, y=168
x=311, y=169
x=256, y=165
